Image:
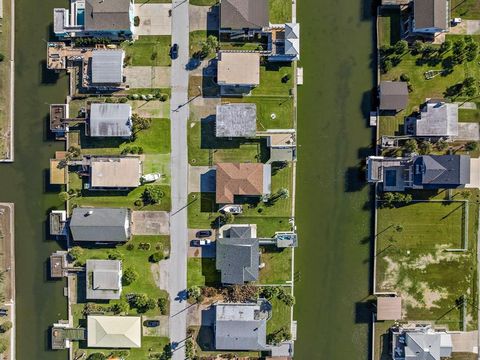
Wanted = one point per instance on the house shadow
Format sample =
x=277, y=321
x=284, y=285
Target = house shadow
x=363, y=312
x=206, y=338
x=81, y=287
x=213, y=20
x=208, y=181
x=209, y=272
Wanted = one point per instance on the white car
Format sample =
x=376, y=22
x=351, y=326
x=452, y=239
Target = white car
x=201, y=242
x=151, y=177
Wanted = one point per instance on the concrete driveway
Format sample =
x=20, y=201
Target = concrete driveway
x=154, y=19
x=141, y=77
x=201, y=179
x=465, y=341
x=474, y=173
x=201, y=315
x=160, y=330
x=150, y=223
x=208, y=251
x=203, y=18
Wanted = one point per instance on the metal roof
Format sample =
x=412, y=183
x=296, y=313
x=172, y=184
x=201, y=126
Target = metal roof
x=107, y=66
x=236, y=120
x=114, y=331
x=104, y=279
x=244, y=14
x=438, y=119
x=110, y=120
x=430, y=14
x=107, y=15
x=100, y=224
x=393, y=95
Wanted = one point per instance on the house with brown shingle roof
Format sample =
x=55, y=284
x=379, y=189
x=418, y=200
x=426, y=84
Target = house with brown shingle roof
x=243, y=14
x=242, y=179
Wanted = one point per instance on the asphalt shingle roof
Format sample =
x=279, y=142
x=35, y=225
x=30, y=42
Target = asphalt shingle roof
x=100, y=224
x=244, y=14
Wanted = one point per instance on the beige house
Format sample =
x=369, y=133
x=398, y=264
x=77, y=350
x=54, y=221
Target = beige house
x=238, y=69
x=114, y=331
x=115, y=172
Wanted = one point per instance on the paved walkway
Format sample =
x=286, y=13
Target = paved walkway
x=177, y=277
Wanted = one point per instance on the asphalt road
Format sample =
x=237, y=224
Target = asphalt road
x=177, y=281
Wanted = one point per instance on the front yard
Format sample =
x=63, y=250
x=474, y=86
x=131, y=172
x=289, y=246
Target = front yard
x=148, y=50
x=413, y=258
x=465, y=9
x=202, y=272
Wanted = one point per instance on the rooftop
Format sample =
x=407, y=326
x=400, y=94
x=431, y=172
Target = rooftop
x=236, y=120
x=235, y=68
x=243, y=179
x=430, y=14
x=114, y=331
x=110, y=120
x=107, y=67
x=389, y=308
x=244, y=14
x=100, y=224
x=107, y=15
x=115, y=172
x=104, y=279
x=438, y=118
x=421, y=343
x=393, y=95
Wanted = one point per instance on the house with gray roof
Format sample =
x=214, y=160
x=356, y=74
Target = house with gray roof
x=237, y=15
x=107, y=68
x=393, y=95
x=103, y=279
x=95, y=18
x=236, y=120
x=111, y=225
x=241, y=326
x=237, y=254
x=430, y=16
x=437, y=119
x=420, y=343
x=110, y=120
x=419, y=172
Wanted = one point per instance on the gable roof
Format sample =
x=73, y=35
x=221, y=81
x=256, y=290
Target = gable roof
x=236, y=120
x=107, y=66
x=114, y=331
x=431, y=14
x=438, y=119
x=110, y=120
x=239, y=327
x=237, y=256
x=107, y=15
x=238, y=179
x=427, y=346
x=104, y=279
x=393, y=95
x=441, y=170
x=244, y=14
x=100, y=224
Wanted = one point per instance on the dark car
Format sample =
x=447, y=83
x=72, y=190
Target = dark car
x=204, y=233
x=174, y=51
x=151, y=323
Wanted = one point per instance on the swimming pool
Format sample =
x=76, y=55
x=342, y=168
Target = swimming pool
x=80, y=16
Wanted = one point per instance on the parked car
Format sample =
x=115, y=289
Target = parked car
x=201, y=242
x=204, y=233
x=151, y=323
x=174, y=51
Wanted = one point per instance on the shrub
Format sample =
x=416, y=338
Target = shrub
x=109, y=100
x=121, y=307
x=115, y=255
x=120, y=354
x=136, y=21
x=129, y=276
x=417, y=47
x=194, y=293
x=425, y=147
x=123, y=100
x=153, y=194
x=446, y=46
x=405, y=77
x=144, y=246
x=286, y=78
x=400, y=47
x=76, y=252
x=156, y=257
x=270, y=292
x=2, y=57
x=130, y=247
x=163, y=97
x=97, y=356
x=411, y=146
x=138, y=203
x=142, y=303
x=441, y=145
x=7, y=325
x=162, y=305
x=471, y=146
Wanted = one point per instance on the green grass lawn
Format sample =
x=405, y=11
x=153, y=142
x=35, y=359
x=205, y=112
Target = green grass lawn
x=198, y=37
x=275, y=79
x=278, y=265
x=422, y=88
x=466, y=9
x=203, y=2
x=205, y=148
x=412, y=260
x=5, y=24
x=148, y=50
x=389, y=26
x=280, y=316
x=202, y=272
x=280, y=11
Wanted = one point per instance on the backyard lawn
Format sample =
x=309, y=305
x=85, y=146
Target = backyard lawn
x=148, y=50
x=389, y=26
x=280, y=11
x=202, y=272
x=412, y=259
x=281, y=315
x=278, y=265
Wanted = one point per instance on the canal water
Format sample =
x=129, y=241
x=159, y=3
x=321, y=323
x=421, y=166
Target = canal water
x=40, y=302
x=332, y=264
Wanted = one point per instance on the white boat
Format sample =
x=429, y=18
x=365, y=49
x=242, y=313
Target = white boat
x=151, y=177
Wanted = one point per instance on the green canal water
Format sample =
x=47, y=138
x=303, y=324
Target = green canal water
x=332, y=264
x=40, y=302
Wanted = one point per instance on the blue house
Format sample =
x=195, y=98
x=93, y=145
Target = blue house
x=95, y=18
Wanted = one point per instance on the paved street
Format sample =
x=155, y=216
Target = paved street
x=177, y=281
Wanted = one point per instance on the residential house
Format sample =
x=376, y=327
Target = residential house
x=243, y=15
x=419, y=172
x=237, y=254
x=95, y=18
x=284, y=42
x=103, y=279
x=281, y=143
x=121, y=172
x=393, y=95
x=430, y=16
x=238, y=70
x=107, y=69
x=420, y=343
x=236, y=120
x=437, y=119
x=110, y=225
x=110, y=120
x=114, y=331
x=241, y=326
x=242, y=179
